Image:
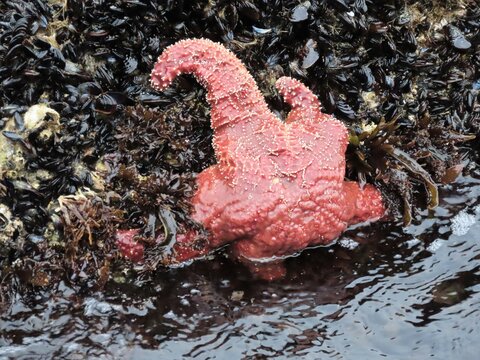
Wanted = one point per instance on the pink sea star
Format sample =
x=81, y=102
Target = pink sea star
x=278, y=187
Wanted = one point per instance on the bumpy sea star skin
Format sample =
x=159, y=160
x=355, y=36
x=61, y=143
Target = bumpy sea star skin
x=128, y=246
x=278, y=187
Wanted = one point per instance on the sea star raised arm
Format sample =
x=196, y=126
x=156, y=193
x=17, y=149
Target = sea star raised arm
x=278, y=187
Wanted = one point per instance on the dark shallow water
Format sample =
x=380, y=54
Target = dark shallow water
x=400, y=292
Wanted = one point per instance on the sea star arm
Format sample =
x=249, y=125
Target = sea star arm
x=362, y=204
x=238, y=109
x=305, y=105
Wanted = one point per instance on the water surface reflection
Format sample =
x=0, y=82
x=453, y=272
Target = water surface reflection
x=398, y=292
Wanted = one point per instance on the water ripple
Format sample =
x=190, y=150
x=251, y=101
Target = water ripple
x=399, y=292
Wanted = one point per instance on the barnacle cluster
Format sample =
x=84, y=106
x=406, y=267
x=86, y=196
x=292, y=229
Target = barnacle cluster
x=403, y=76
